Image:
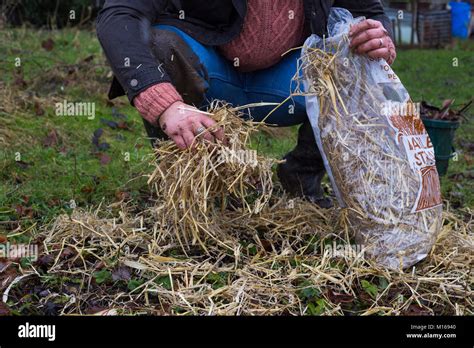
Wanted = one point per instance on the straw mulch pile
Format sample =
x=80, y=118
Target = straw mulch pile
x=217, y=240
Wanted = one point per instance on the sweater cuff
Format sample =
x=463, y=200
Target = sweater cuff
x=153, y=101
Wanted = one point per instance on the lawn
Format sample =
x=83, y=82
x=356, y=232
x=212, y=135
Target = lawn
x=49, y=163
x=52, y=164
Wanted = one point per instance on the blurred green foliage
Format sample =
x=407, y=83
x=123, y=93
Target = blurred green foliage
x=50, y=13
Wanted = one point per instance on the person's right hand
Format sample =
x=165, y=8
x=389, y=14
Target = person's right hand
x=182, y=124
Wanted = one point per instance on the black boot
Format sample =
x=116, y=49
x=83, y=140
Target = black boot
x=303, y=170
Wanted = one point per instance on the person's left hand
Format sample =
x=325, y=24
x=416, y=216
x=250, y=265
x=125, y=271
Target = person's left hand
x=370, y=37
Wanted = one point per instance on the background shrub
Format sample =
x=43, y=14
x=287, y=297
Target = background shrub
x=50, y=13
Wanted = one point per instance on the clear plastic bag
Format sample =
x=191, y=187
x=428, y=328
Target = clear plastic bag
x=376, y=150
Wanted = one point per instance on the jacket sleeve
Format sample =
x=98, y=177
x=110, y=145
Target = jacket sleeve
x=371, y=9
x=124, y=31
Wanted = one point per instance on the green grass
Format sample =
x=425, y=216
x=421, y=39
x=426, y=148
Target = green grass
x=48, y=178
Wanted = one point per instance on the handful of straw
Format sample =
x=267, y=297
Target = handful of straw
x=195, y=186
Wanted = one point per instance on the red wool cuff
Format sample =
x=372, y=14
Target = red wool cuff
x=153, y=101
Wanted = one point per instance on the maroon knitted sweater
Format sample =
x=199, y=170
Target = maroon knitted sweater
x=271, y=28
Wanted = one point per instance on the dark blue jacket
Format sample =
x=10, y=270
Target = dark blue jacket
x=123, y=28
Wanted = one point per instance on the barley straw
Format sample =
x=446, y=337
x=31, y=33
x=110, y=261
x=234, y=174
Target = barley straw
x=194, y=186
x=261, y=255
x=288, y=268
x=370, y=171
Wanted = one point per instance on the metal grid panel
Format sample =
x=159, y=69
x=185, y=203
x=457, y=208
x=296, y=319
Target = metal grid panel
x=434, y=28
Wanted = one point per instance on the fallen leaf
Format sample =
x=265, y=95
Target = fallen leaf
x=121, y=273
x=339, y=298
x=44, y=293
x=67, y=253
x=20, y=82
x=124, y=125
x=71, y=71
x=23, y=165
x=104, y=159
x=416, y=310
x=267, y=245
x=122, y=196
x=39, y=111
x=98, y=133
x=51, y=309
x=99, y=265
x=10, y=226
x=4, y=310
x=119, y=115
x=63, y=150
x=111, y=124
x=469, y=146
x=23, y=211
x=89, y=58
x=51, y=140
x=48, y=45
x=87, y=189
x=469, y=160
x=447, y=103
x=96, y=137
x=103, y=146
x=45, y=260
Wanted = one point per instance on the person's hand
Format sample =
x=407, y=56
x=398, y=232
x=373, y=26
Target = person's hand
x=182, y=123
x=370, y=37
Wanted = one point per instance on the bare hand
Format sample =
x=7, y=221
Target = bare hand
x=183, y=123
x=370, y=37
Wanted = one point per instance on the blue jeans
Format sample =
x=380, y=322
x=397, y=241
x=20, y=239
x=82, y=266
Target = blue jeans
x=271, y=85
